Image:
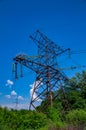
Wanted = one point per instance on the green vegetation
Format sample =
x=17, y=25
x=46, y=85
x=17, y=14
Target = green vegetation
x=21, y=120
x=76, y=117
x=52, y=118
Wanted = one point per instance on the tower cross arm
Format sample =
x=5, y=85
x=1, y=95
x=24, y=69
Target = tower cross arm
x=29, y=62
x=63, y=51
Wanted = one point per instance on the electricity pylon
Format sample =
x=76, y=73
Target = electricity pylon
x=49, y=78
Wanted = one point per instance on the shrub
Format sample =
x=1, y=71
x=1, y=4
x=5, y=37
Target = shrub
x=76, y=117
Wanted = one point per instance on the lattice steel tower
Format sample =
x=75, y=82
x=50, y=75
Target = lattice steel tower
x=49, y=78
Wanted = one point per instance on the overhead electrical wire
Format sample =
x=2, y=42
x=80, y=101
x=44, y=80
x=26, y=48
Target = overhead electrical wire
x=78, y=52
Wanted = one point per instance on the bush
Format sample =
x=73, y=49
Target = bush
x=53, y=114
x=76, y=117
x=21, y=120
x=37, y=120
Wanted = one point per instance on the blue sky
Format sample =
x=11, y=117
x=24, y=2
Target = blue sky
x=63, y=21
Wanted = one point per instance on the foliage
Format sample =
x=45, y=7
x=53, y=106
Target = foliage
x=76, y=100
x=21, y=120
x=76, y=117
x=53, y=114
x=77, y=91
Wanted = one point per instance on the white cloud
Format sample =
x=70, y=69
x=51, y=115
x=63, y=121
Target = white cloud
x=8, y=96
x=13, y=93
x=35, y=84
x=31, y=92
x=20, y=98
x=9, y=83
x=13, y=106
